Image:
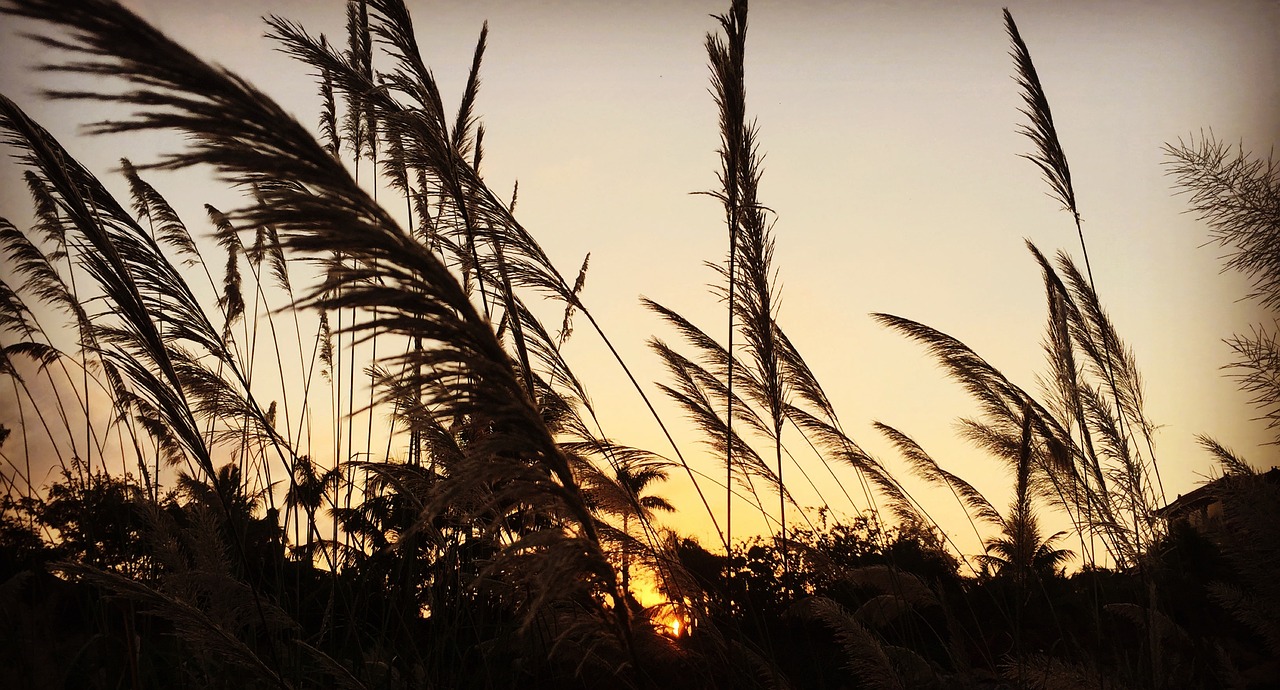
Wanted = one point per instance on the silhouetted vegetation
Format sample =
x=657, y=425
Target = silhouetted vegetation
x=210, y=529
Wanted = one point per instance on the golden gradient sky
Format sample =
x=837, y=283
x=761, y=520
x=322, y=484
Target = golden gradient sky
x=892, y=165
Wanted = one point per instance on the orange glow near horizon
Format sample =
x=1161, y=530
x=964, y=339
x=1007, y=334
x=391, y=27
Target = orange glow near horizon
x=644, y=587
x=671, y=620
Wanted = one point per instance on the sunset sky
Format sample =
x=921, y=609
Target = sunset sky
x=892, y=165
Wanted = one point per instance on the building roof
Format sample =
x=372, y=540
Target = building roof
x=1208, y=493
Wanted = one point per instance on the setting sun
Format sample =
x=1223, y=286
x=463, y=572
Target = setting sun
x=670, y=620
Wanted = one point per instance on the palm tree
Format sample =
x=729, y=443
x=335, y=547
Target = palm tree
x=226, y=492
x=633, y=480
x=1021, y=551
x=618, y=495
x=1019, y=548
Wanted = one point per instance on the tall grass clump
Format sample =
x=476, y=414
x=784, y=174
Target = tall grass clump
x=492, y=491
x=1083, y=444
x=425, y=495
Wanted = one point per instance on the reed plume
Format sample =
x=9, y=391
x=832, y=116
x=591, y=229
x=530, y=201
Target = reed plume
x=321, y=212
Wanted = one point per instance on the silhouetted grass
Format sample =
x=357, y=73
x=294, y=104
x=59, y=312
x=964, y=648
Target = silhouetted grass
x=497, y=538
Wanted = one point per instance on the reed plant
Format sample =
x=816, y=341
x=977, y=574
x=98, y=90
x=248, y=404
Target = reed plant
x=426, y=496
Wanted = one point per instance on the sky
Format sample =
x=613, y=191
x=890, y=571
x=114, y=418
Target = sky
x=891, y=164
